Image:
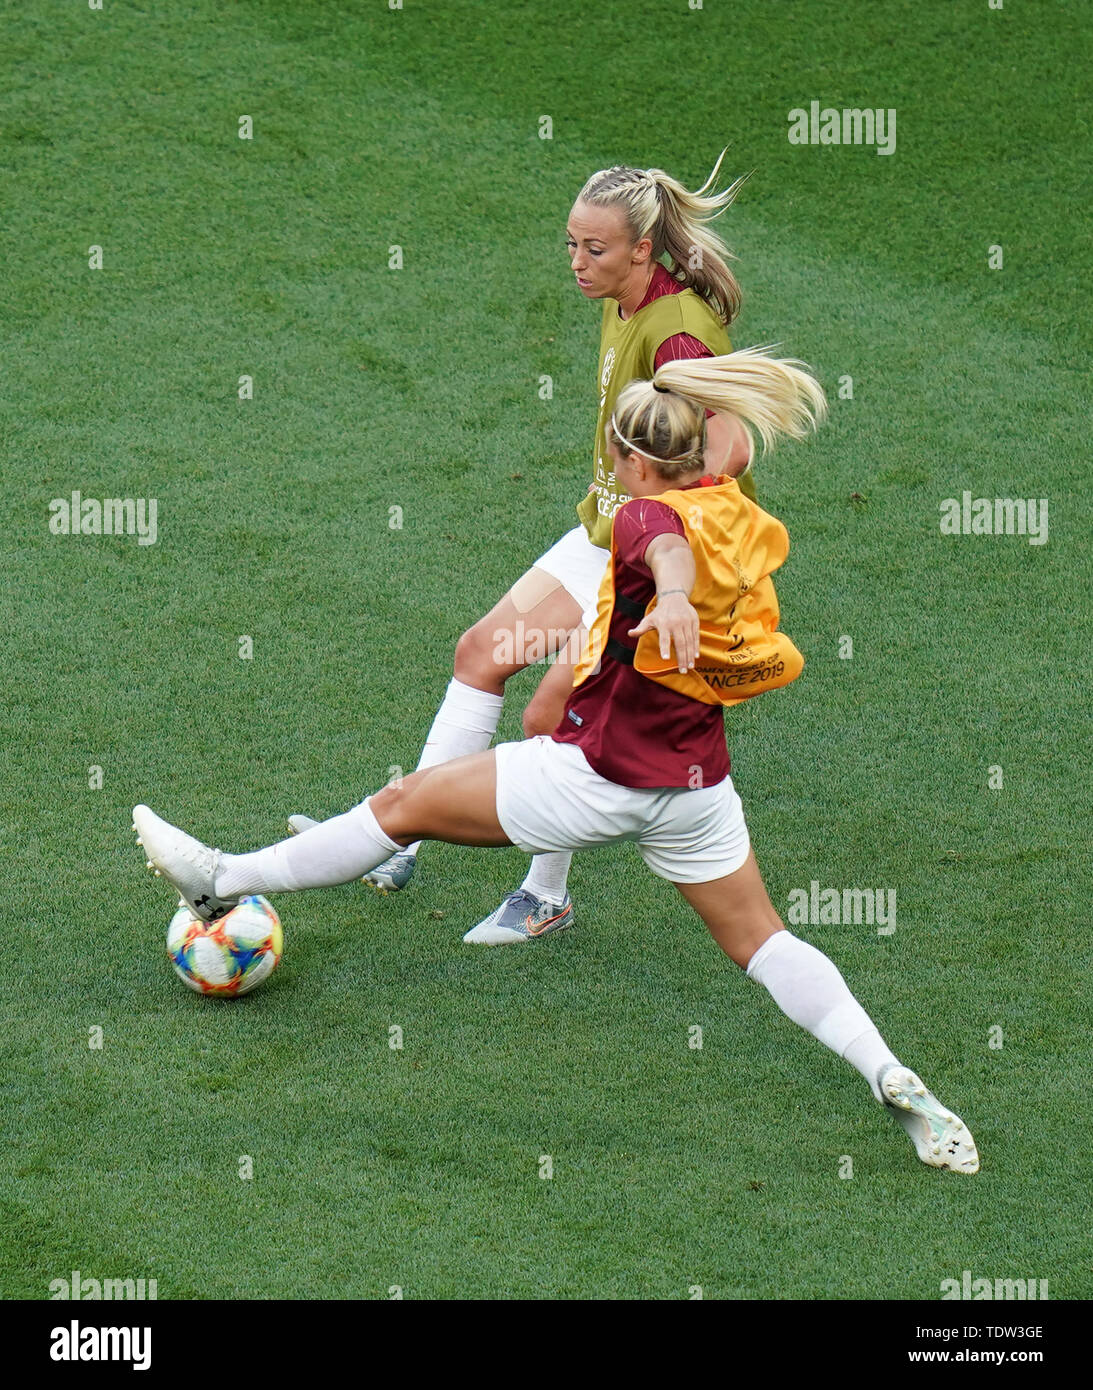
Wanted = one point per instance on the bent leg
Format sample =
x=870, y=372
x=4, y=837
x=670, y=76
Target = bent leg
x=531, y=622
x=548, y=874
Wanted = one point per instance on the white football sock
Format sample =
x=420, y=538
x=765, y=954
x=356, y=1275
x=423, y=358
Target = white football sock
x=808, y=988
x=547, y=876
x=337, y=850
x=465, y=723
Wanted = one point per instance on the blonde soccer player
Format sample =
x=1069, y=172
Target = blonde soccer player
x=641, y=243
x=645, y=710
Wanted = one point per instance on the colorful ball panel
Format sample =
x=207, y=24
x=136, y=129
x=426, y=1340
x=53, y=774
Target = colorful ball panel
x=230, y=956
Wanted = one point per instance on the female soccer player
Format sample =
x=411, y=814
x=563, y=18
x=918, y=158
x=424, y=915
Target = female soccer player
x=637, y=726
x=624, y=225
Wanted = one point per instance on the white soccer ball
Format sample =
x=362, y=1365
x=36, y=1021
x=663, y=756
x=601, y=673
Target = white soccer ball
x=230, y=956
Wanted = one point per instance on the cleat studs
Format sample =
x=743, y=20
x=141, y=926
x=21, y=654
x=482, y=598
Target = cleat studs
x=157, y=873
x=149, y=865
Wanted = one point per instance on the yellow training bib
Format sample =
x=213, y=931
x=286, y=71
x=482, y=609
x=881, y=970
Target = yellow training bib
x=736, y=546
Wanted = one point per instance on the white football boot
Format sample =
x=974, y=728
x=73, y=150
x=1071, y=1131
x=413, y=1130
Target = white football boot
x=191, y=866
x=941, y=1138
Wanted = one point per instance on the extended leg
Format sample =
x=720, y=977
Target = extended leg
x=455, y=802
x=809, y=989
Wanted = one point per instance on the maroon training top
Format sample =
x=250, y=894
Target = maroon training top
x=680, y=346
x=633, y=730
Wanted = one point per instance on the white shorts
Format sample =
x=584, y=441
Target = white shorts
x=549, y=798
x=578, y=565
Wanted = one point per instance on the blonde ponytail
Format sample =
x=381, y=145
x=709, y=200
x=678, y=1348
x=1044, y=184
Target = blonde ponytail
x=657, y=206
x=665, y=418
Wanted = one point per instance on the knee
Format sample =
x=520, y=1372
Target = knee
x=385, y=803
x=473, y=657
x=397, y=807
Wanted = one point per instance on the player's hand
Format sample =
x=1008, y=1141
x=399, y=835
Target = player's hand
x=676, y=623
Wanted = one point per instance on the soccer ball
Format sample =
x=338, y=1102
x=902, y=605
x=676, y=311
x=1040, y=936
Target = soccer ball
x=227, y=957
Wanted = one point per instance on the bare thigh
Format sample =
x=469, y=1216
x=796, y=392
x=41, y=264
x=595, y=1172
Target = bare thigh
x=455, y=801
x=737, y=910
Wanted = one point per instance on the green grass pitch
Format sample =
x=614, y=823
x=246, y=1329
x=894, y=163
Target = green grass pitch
x=673, y=1167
